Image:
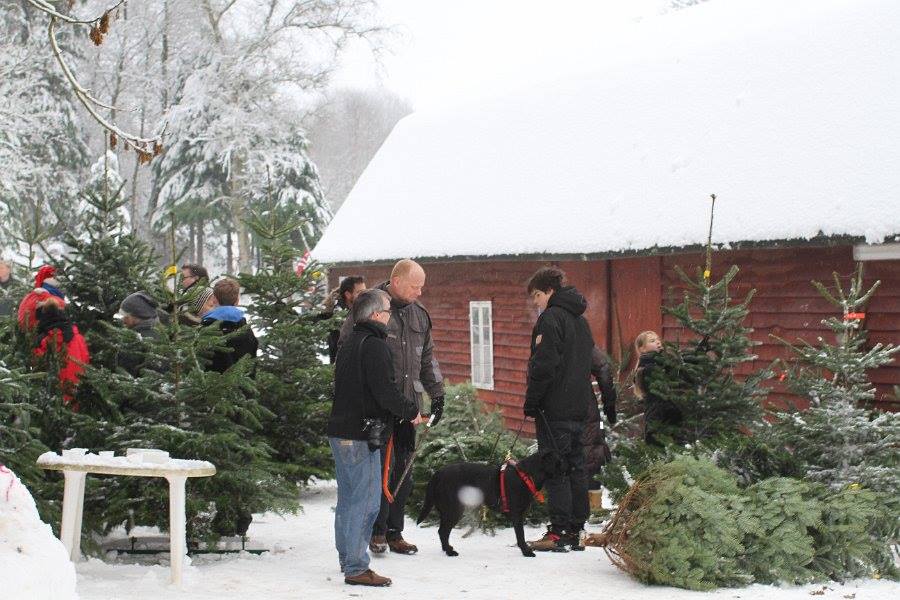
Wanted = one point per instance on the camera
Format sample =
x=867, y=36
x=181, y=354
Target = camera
x=375, y=430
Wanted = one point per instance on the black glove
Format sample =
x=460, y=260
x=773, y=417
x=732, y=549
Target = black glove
x=531, y=411
x=610, y=411
x=437, y=409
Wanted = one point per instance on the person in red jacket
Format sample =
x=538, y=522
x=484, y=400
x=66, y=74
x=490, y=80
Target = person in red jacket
x=42, y=311
x=46, y=289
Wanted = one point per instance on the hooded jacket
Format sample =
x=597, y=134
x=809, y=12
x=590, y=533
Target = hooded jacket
x=559, y=369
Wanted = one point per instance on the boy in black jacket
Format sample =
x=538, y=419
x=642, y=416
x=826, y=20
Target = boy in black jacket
x=366, y=402
x=239, y=337
x=558, y=394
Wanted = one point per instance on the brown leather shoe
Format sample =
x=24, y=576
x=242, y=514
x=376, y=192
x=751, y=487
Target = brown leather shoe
x=551, y=542
x=401, y=546
x=378, y=544
x=368, y=577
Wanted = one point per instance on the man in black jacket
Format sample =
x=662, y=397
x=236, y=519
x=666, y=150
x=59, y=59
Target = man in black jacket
x=240, y=341
x=366, y=403
x=558, y=394
x=139, y=314
x=416, y=370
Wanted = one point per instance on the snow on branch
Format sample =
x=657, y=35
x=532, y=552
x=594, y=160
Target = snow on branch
x=146, y=148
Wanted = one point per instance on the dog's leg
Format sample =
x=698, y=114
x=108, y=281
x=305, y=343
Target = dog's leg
x=449, y=519
x=518, y=525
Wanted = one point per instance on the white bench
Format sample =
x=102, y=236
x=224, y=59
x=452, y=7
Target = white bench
x=76, y=465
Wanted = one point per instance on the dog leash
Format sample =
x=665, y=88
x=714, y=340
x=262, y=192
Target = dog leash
x=412, y=458
x=513, y=445
x=550, y=431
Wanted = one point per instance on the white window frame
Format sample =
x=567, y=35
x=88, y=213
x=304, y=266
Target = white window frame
x=485, y=309
x=890, y=251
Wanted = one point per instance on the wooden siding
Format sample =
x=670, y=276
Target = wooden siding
x=786, y=304
x=625, y=295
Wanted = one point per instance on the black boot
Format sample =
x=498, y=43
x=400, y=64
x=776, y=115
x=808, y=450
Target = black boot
x=572, y=539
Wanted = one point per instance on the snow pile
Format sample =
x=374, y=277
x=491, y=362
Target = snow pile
x=33, y=563
x=786, y=111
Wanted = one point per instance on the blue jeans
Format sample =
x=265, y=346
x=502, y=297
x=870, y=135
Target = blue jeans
x=358, y=472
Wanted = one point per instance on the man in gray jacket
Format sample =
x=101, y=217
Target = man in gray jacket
x=416, y=371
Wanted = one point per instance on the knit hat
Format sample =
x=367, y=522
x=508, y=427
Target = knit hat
x=201, y=298
x=45, y=273
x=45, y=280
x=139, y=305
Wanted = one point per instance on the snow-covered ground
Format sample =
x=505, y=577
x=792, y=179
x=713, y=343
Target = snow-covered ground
x=303, y=564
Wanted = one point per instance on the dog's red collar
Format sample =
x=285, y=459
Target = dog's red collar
x=526, y=479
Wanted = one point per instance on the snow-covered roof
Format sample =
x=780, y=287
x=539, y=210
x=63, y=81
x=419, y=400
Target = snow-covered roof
x=788, y=111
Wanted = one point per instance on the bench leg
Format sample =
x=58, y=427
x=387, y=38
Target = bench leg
x=177, y=525
x=73, y=508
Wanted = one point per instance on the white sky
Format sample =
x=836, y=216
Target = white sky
x=456, y=51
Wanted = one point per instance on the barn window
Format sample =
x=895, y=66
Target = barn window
x=876, y=251
x=481, y=336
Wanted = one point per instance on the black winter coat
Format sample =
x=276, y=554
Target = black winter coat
x=133, y=360
x=365, y=386
x=239, y=338
x=559, y=369
x=596, y=450
x=661, y=416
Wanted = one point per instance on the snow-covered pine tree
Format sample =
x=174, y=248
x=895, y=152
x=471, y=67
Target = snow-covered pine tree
x=42, y=146
x=700, y=376
x=104, y=261
x=839, y=439
x=20, y=443
x=291, y=380
x=226, y=155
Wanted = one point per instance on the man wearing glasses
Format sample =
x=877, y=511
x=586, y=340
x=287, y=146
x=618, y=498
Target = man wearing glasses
x=366, y=404
x=191, y=274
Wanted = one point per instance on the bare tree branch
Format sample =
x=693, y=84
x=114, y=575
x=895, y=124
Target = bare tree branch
x=46, y=7
x=146, y=148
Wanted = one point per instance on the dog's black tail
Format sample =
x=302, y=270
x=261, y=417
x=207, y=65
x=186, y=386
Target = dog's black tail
x=428, y=503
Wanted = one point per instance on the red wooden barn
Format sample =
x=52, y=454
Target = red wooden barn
x=790, y=120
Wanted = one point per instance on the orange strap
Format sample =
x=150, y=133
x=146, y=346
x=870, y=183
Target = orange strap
x=386, y=472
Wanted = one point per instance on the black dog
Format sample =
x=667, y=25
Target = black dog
x=444, y=489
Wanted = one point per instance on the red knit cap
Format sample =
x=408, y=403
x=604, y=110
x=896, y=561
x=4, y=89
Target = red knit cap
x=45, y=272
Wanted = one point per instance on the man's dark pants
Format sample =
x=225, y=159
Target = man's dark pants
x=390, y=518
x=568, y=494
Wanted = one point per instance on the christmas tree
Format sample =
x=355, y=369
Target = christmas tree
x=839, y=440
x=293, y=383
x=701, y=376
x=105, y=261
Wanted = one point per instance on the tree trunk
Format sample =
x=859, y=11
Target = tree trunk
x=164, y=57
x=200, y=242
x=238, y=213
x=192, y=245
x=229, y=253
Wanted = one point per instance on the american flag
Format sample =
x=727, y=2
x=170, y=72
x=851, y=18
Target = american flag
x=301, y=266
